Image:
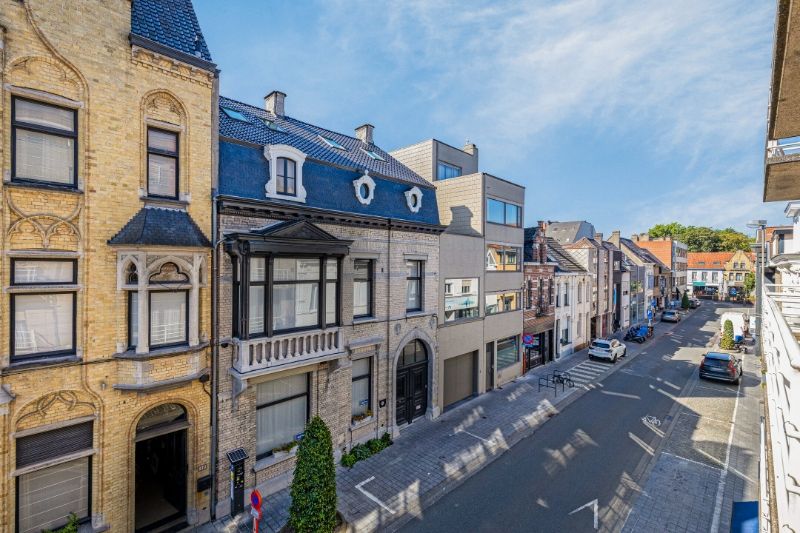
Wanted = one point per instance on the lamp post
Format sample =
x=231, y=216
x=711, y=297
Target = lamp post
x=760, y=227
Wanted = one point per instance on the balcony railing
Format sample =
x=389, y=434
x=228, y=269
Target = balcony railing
x=783, y=147
x=280, y=350
x=780, y=332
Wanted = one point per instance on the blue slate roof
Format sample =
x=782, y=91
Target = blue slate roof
x=306, y=138
x=159, y=226
x=328, y=173
x=172, y=23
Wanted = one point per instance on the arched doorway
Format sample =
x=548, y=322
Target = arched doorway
x=161, y=469
x=411, y=383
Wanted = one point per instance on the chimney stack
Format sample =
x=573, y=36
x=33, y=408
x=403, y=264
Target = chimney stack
x=364, y=133
x=471, y=149
x=273, y=103
x=598, y=237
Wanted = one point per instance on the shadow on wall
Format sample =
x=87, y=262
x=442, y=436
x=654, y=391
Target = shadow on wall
x=461, y=222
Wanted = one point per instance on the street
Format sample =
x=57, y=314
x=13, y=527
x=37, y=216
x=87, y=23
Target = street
x=648, y=448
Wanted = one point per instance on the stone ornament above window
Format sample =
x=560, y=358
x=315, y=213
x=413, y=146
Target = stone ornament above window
x=272, y=152
x=414, y=199
x=365, y=188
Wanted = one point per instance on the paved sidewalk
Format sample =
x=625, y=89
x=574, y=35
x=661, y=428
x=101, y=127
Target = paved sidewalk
x=431, y=457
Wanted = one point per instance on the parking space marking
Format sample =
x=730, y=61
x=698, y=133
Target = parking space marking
x=490, y=442
x=372, y=496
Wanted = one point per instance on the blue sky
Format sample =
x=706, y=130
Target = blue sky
x=625, y=114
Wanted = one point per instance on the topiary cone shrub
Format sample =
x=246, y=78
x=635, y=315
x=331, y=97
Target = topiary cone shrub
x=313, y=491
x=685, y=300
x=726, y=342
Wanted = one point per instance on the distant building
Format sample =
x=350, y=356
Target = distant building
x=672, y=253
x=706, y=272
x=541, y=297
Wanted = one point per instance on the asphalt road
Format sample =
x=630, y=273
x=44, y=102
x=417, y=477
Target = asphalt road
x=597, y=448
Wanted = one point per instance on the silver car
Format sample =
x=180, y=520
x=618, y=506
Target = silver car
x=610, y=349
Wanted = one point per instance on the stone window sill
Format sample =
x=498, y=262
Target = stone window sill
x=161, y=352
x=361, y=423
x=364, y=320
x=44, y=186
x=40, y=362
x=274, y=459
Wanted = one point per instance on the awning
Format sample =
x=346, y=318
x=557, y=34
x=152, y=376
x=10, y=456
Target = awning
x=698, y=283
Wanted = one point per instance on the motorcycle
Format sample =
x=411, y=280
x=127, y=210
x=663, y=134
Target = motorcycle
x=635, y=334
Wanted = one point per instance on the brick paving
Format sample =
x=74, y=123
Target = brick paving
x=431, y=457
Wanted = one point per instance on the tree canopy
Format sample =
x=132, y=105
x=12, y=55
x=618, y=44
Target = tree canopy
x=702, y=238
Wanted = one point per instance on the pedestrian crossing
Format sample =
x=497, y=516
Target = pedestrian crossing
x=588, y=372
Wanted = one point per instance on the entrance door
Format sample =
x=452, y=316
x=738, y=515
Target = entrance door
x=411, y=384
x=161, y=469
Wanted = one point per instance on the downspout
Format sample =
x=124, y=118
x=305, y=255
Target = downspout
x=389, y=362
x=215, y=240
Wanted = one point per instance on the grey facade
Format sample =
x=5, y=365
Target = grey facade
x=479, y=342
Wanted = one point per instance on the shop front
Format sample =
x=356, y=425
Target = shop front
x=538, y=349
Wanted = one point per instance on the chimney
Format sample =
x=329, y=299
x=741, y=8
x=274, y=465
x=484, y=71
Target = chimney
x=471, y=149
x=643, y=237
x=598, y=237
x=364, y=133
x=273, y=103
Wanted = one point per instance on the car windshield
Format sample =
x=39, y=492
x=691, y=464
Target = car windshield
x=669, y=313
x=600, y=344
x=718, y=356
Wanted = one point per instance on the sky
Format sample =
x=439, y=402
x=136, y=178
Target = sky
x=625, y=114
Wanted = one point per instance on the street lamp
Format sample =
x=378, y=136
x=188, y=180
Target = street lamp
x=760, y=227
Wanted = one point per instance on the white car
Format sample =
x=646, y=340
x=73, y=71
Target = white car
x=610, y=349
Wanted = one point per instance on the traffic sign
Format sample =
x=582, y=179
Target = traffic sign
x=527, y=339
x=255, y=499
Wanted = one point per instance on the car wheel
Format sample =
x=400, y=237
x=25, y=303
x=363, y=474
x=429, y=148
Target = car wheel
x=614, y=360
x=624, y=352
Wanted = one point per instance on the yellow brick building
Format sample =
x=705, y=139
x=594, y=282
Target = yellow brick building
x=106, y=153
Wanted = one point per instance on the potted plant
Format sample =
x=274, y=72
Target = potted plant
x=363, y=416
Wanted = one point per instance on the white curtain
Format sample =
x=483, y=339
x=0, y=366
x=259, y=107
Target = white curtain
x=42, y=323
x=161, y=175
x=45, y=157
x=280, y=423
x=167, y=317
x=48, y=496
x=360, y=395
x=31, y=271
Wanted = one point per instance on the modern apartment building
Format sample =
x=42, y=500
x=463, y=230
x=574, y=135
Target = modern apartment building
x=674, y=255
x=106, y=152
x=480, y=277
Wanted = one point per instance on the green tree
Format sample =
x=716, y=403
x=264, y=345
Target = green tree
x=313, y=491
x=749, y=283
x=732, y=240
x=700, y=239
x=672, y=229
x=685, y=300
x=726, y=342
x=703, y=238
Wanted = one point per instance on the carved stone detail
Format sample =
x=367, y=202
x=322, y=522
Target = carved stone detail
x=64, y=400
x=44, y=225
x=46, y=74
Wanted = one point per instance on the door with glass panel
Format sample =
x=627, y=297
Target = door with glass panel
x=411, y=383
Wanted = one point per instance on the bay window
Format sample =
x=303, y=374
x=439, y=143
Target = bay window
x=43, y=323
x=282, y=410
x=44, y=143
x=362, y=288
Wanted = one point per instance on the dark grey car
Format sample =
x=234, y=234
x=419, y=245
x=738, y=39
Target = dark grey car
x=722, y=366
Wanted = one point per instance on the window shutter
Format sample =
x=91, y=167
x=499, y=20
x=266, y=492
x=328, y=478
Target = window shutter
x=53, y=444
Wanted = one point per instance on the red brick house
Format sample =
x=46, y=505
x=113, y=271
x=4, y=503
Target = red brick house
x=538, y=300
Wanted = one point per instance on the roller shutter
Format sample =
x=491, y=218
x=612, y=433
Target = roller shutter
x=459, y=378
x=53, y=444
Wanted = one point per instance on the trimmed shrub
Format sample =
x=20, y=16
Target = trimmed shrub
x=685, y=300
x=348, y=460
x=726, y=342
x=359, y=452
x=314, y=486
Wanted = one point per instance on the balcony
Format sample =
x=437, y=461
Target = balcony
x=782, y=170
x=291, y=349
x=780, y=332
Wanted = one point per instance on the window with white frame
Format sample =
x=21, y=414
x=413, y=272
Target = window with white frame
x=414, y=285
x=44, y=141
x=282, y=409
x=43, y=320
x=363, y=272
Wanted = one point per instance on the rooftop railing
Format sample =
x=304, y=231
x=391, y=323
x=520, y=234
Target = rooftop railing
x=783, y=147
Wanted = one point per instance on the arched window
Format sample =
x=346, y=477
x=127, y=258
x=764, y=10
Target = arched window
x=287, y=176
x=161, y=415
x=414, y=352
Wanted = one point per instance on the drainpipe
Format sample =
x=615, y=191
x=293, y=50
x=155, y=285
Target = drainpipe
x=214, y=292
x=389, y=362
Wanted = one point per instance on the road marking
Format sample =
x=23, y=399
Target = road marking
x=621, y=395
x=692, y=461
x=646, y=447
x=370, y=495
x=593, y=504
x=724, y=475
x=487, y=441
x=651, y=420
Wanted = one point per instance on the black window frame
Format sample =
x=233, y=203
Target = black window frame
x=150, y=344
x=370, y=280
x=14, y=281
x=307, y=394
x=515, y=224
x=367, y=376
x=242, y=294
x=165, y=153
x=443, y=164
x=419, y=278
x=283, y=178
x=84, y=520
x=15, y=125
x=41, y=355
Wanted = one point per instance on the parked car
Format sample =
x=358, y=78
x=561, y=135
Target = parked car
x=670, y=316
x=610, y=349
x=694, y=303
x=722, y=366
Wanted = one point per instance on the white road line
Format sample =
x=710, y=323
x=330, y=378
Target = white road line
x=370, y=495
x=487, y=441
x=723, y=477
x=692, y=461
x=621, y=394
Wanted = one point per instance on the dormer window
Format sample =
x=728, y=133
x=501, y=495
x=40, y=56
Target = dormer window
x=373, y=154
x=333, y=143
x=287, y=172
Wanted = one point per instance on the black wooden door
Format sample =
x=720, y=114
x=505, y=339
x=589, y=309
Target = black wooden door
x=411, y=392
x=401, y=408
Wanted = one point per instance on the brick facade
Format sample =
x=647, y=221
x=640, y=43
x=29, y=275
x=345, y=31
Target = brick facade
x=77, y=55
